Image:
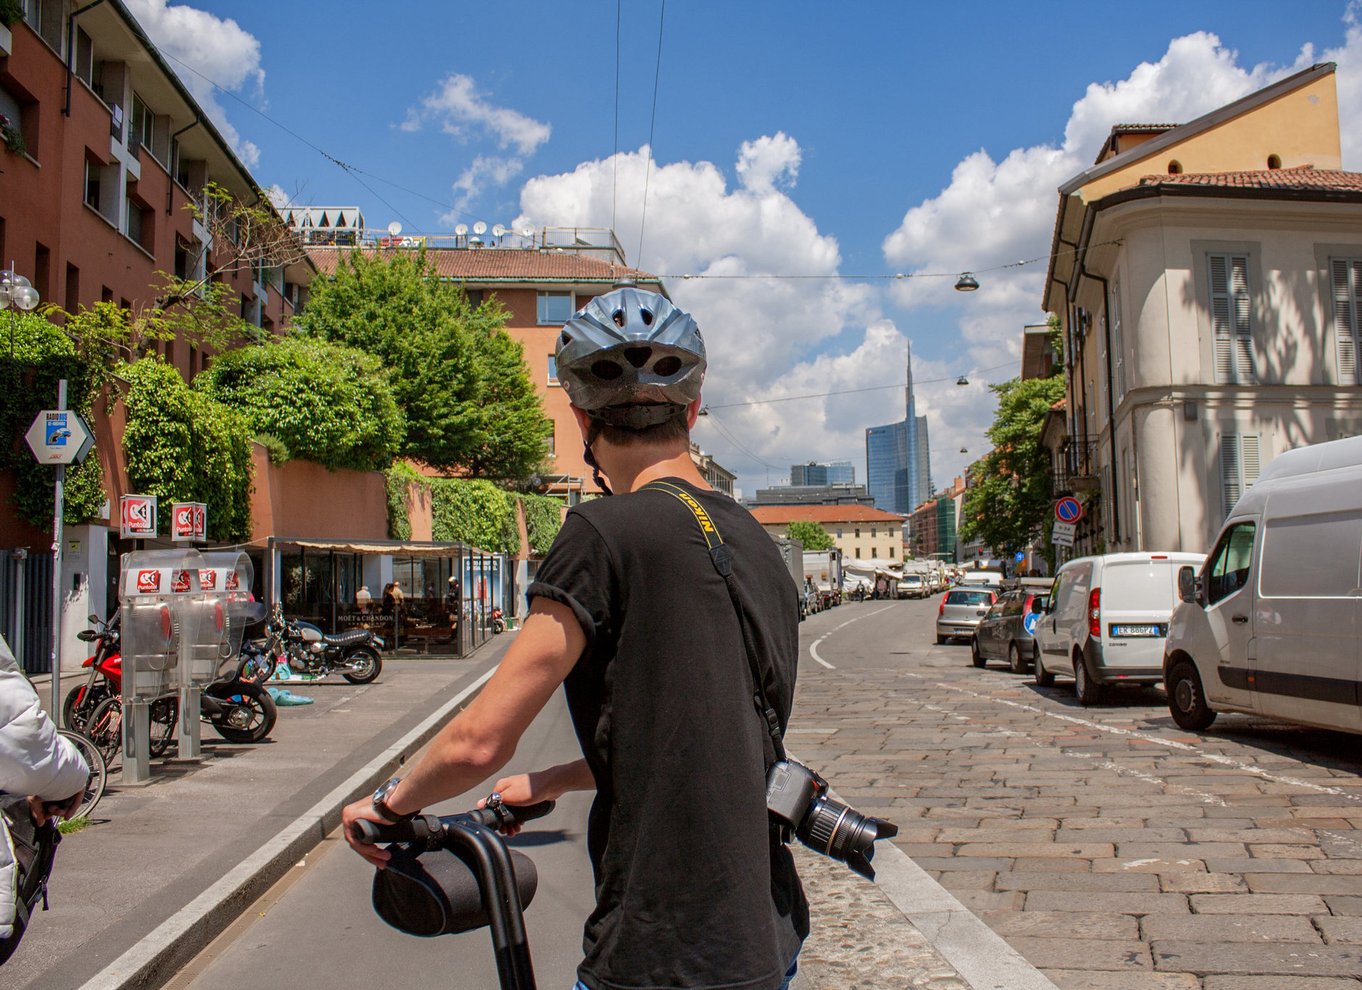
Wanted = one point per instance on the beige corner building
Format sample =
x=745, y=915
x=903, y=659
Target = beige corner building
x=1208, y=280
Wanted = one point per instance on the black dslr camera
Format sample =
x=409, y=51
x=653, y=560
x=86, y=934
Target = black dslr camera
x=798, y=798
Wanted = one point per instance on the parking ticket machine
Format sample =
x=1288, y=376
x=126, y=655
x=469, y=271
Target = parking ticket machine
x=157, y=626
x=221, y=600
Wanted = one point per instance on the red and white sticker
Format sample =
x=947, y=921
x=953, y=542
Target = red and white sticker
x=148, y=582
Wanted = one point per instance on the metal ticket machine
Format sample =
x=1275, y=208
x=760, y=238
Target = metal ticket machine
x=158, y=626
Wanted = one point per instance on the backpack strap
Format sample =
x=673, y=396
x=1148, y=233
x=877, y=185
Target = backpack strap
x=722, y=558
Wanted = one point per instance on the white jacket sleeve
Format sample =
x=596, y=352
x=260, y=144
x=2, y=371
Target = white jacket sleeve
x=34, y=758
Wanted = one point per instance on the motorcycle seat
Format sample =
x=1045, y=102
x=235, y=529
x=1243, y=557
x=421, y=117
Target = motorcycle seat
x=348, y=637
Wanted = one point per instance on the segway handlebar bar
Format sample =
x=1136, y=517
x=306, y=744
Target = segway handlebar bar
x=431, y=830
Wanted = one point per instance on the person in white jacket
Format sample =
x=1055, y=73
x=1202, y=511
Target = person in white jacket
x=35, y=761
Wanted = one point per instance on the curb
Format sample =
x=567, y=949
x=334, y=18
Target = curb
x=155, y=958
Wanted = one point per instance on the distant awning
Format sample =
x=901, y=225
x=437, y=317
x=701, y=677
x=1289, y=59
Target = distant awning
x=391, y=548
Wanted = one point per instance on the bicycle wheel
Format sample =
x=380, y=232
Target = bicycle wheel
x=164, y=712
x=99, y=771
x=105, y=728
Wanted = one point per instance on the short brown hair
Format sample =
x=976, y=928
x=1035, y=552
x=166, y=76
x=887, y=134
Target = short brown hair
x=671, y=431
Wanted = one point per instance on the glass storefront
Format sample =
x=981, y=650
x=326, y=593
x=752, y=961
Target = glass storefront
x=439, y=600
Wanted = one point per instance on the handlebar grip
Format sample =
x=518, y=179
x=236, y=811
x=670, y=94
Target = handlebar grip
x=418, y=829
x=508, y=814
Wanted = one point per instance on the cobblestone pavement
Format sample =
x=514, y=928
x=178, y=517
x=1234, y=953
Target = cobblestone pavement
x=1113, y=850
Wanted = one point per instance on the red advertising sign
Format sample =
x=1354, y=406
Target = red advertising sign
x=208, y=579
x=137, y=516
x=188, y=522
x=180, y=583
x=148, y=582
x=233, y=581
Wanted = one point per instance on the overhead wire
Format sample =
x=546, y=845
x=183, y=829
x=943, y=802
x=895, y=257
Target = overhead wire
x=652, y=128
x=848, y=391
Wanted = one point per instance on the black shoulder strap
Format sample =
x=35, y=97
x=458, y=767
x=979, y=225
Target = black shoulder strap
x=722, y=559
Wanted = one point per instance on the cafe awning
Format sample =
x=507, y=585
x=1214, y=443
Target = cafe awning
x=391, y=548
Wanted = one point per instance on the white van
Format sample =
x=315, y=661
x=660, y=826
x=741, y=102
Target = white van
x=1273, y=624
x=1106, y=620
x=981, y=579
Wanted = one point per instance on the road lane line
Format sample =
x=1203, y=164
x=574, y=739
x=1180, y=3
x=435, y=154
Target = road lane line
x=813, y=647
x=1145, y=737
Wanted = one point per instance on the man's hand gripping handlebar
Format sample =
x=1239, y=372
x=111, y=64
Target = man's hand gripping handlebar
x=432, y=830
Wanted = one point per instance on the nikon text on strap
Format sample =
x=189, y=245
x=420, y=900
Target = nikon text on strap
x=722, y=559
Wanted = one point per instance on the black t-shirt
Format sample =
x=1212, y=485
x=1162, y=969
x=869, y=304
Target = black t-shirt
x=691, y=891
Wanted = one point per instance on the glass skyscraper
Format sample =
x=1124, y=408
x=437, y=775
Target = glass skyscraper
x=898, y=459
x=830, y=473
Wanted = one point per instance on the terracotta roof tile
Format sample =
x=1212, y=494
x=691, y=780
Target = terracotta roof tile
x=1300, y=177
x=501, y=265
x=775, y=515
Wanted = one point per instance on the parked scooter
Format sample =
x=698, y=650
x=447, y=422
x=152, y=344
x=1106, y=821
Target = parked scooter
x=498, y=622
x=352, y=654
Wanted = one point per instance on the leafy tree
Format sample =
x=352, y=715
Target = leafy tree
x=1011, y=500
x=460, y=380
x=324, y=402
x=811, y=534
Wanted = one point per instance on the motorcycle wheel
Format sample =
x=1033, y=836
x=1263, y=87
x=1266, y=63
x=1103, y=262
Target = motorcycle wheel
x=80, y=704
x=498, y=626
x=259, y=669
x=248, y=712
x=367, y=664
x=105, y=728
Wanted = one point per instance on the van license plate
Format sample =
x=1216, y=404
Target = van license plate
x=1137, y=630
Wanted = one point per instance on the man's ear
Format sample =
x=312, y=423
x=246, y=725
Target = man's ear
x=693, y=413
x=583, y=421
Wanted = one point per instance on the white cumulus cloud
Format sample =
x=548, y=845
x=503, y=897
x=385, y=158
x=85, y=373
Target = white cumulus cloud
x=205, y=50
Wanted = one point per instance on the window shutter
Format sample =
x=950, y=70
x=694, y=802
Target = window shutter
x=1220, y=318
x=1248, y=459
x=1347, y=282
x=1229, y=471
x=1246, y=373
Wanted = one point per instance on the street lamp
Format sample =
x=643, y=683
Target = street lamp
x=966, y=282
x=16, y=292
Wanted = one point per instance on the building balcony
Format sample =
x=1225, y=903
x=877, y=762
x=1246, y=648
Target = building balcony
x=1075, y=467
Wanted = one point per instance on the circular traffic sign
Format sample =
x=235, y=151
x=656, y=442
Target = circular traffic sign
x=1068, y=509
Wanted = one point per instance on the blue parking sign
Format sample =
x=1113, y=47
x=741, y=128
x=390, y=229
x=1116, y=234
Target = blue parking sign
x=1030, y=622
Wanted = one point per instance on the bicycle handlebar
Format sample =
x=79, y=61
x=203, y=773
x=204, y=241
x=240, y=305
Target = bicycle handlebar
x=430, y=830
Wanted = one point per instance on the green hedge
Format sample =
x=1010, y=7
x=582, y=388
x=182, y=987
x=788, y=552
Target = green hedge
x=543, y=518
x=183, y=446
x=43, y=355
x=474, y=512
x=395, y=481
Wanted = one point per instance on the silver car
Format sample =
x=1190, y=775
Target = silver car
x=960, y=612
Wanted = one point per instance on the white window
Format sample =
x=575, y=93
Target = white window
x=553, y=370
x=1230, y=308
x=1238, y=467
x=1346, y=278
x=554, y=307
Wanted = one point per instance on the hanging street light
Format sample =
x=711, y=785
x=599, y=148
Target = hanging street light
x=966, y=283
x=16, y=293
x=962, y=380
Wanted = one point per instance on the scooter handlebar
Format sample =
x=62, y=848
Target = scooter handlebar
x=430, y=829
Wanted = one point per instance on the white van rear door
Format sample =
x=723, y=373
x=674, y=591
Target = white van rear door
x=1137, y=599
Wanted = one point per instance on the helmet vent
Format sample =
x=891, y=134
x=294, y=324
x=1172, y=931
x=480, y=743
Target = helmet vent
x=606, y=370
x=638, y=356
x=647, y=317
x=565, y=340
x=618, y=317
x=667, y=366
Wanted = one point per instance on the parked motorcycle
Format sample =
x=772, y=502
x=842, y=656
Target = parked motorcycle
x=352, y=654
x=498, y=623
x=239, y=711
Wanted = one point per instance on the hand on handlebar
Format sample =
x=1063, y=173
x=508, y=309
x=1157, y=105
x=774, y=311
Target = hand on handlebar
x=363, y=810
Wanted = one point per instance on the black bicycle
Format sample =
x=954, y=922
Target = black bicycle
x=484, y=884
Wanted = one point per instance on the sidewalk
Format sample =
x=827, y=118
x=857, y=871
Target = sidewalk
x=168, y=865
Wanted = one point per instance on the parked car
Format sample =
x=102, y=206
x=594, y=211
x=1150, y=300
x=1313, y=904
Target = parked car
x=981, y=579
x=913, y=586
x=1007, y=632
x=960, y=611
x=1106, y=620
x=1271, y=626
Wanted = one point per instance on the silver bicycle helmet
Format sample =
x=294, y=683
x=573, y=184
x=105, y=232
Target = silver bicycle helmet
x=630, y=347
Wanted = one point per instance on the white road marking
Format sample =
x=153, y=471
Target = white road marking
x=813, y=647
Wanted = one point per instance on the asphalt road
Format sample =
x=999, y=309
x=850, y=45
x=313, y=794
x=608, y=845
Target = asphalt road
x=1110, y=848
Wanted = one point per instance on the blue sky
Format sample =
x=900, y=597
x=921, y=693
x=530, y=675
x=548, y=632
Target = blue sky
x=793, y=138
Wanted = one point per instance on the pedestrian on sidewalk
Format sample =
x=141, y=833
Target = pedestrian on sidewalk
x=694, y=889
x=35, y=761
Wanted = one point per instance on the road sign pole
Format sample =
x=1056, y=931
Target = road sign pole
x=58, y=491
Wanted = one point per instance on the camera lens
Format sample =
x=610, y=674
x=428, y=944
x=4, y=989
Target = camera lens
x=836, y=830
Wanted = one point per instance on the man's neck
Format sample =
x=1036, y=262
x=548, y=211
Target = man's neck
x=630, y=468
